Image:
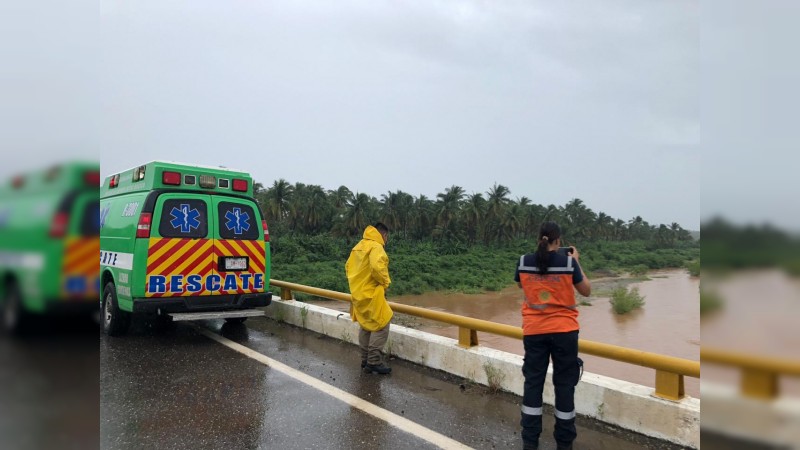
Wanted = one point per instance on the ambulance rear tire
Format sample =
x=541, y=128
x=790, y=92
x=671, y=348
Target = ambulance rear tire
x=115, y=321
x=15, y=318
x=235, y=319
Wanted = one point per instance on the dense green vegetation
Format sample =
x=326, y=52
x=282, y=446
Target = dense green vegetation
x=459, y=242
x=728, y=246
x=625, y=300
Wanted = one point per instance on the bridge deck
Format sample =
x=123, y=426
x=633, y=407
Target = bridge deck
x=176, y=387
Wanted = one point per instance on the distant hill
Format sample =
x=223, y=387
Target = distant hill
x=695, y=234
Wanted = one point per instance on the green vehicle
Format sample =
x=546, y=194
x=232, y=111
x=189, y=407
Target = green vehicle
x=181, y=242
x=49, y=239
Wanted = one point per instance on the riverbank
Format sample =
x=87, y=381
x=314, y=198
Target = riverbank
x=425, y=267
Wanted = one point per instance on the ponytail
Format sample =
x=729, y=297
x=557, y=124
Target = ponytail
x=548, y=233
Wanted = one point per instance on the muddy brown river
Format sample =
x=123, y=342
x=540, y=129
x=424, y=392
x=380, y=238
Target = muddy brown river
x=669, y=322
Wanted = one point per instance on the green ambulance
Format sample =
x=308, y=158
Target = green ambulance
x=49, y=240
x=181, y=242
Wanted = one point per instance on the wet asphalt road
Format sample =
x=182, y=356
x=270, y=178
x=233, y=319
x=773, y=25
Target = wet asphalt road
x=172, y=387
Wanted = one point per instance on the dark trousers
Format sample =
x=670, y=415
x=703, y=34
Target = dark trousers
x=539, y=349
x=371, y=345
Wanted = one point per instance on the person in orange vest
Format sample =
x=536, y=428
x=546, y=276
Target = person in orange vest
x=367, y=271
x=550, y=328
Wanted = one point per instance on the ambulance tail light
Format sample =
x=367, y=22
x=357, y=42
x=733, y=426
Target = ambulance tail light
x=173, y=178
x=91, y=178
x=266, y=230
x=59, y=226
x=239, y=185
x=18, y=182
x=114, y=181
x=143, y=228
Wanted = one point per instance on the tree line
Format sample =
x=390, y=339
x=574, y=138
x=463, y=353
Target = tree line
x=454, y=216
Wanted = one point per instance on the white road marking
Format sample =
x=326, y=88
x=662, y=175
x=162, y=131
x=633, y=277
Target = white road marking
x=389, y=417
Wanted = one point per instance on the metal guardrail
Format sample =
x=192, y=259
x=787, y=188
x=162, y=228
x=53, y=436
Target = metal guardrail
x=759, y=374
x=669, y=369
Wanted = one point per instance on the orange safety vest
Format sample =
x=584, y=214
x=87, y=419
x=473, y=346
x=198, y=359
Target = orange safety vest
x=549, y=305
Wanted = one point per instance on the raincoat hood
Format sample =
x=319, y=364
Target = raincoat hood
x=367, y=271
x=373, y=234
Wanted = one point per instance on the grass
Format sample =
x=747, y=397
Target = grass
x=304, y=315
x=280, y=314
x=625, y=300
x=494, y=377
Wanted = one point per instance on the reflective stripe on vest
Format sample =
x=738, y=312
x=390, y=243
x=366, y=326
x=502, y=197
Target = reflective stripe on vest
x=569, y=268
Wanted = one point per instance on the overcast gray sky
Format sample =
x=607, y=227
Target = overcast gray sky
x=556, y=100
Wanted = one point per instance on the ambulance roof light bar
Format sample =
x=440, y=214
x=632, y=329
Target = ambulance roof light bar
x=208, y=181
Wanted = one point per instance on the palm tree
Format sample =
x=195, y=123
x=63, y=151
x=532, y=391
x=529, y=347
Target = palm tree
x=357, y=216
x=448, y=206
x=474, y=216
x=497, y=201
x=510, y=223
x=278, y=198
x=389, y=210
x=341, y=197
x=579, y=219
x=421, y=217
x=638, y=228
x=404, y=204
x=314, y=208
x=603, y=226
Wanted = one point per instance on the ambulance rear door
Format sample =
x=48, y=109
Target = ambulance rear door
x=239, y=248
x=180, y=256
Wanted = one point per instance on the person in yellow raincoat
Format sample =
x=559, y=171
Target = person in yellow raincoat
x=367, y=271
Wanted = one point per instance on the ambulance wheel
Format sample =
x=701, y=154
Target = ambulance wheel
x=235, y=319
x=15, y=318
x=115, y=321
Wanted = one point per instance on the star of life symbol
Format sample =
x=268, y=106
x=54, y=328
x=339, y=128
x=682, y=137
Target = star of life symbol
x=184, y=218
x=238, y=221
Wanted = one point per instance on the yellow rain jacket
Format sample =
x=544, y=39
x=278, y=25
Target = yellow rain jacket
x=367, y=271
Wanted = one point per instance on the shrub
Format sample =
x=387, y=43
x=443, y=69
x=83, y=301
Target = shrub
x=625, y=300
x=639, y=270
x=694, y=268
x=709, y=302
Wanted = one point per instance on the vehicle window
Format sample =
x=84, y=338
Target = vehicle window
x=237, y=221
x=90, y=219
x=183, y=218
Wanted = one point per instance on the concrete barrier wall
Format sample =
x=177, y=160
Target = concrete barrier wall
x=628, y=405
x=774, y=423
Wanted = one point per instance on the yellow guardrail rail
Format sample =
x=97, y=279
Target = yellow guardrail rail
x=669, y=369
x=759, y=374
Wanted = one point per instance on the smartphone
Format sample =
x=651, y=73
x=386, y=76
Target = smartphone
x=565, y=250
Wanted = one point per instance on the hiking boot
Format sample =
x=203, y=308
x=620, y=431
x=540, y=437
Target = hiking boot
x=530, y=446
x=381, y=369
x=564, y=447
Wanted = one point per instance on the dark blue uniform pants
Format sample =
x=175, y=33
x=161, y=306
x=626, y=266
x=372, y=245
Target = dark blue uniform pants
x=563, y=349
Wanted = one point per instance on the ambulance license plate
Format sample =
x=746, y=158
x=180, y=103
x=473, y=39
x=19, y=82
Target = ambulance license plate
x=235, y=263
